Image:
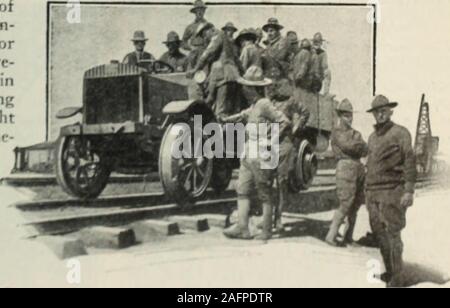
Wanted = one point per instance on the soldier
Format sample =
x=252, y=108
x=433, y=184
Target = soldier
x=302, y=66
x=277, y=52
x=230, y=30
x=253, y=179
x=199, y=10
x=294, y=49
x=250, y=54
x=348, y=147
x=220, y=56
x=298, y=115
x=174, y=56
x=321, y=71
x=198, y=48
x=139, y=40
x=390, y=185
x=259, y=35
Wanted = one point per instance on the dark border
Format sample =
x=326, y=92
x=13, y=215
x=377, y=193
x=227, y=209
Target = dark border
x=50, y=3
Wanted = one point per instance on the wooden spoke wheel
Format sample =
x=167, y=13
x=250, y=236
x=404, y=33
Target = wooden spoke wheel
x=81, y=170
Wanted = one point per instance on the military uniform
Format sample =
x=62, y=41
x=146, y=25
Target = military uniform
x=221, y=57
x=250, y=56
x=178, y=61
x=276, y=55
x=391, y=173
x=255, y=181
x=319, y=69
x=302, y=66
x=189, y=34
x=298, y=115
x=348, y=147
x=135, y=57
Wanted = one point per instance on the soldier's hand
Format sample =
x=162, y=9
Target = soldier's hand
x=407, y=200
x=190, y=74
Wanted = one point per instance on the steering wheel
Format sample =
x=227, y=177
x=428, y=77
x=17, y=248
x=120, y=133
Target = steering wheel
x=160, y=67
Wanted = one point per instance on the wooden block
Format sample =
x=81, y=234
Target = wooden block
x=216, y=220
x=64, y=247
x=191, y=222
x=152, y=230
x=109, y=238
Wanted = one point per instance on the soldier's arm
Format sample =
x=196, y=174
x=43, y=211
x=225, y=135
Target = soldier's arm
x=237, y=118
x=245, y=58
x=351, y=143
x=210, y=52
x=301, y=65
x=126, y=60
x=275, y=116
x=186, y=38
x=409, y=167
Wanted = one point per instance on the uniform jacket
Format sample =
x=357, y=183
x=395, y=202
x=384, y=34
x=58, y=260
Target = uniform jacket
x=251, y=56
x=189, y=34
x=277, y=55
x=221, y=56
x=178, y=61
x=391, y=159
x=348, y=143
x=302, y=66
x=295, y=111
x=133, y=58
x=319, y=63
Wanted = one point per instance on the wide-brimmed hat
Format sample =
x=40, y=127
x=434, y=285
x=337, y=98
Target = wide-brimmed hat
x=230, y=26
x=381, y=101
x=172, y=37
x=139, y=36
x=254, y=77
x=272, y=23
x=318, y=38
x=202, y=27
x=345, y=106
x=198, y=4
x=246, y=34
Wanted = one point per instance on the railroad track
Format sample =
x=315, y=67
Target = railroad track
x=59, y=217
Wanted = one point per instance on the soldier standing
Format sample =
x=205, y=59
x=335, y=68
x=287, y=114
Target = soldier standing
x=298, y=115
x=174, y=56
x=277, y=52
x=224, y=72
x=199, y=10
x=302, y=66
x=321, y=70
x=139, y=40
x=230, y=30
x=253, y=179
x=390, y=185
x=250, y=54
x=348, y=147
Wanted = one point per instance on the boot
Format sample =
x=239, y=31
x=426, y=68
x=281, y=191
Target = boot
x=334, y=229
x=397, y=263
x=267, y=223
x=240, y=230
x=386, y=253
x=350, y=229
x=284, y=190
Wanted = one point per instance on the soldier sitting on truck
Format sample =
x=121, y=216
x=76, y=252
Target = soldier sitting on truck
x=134, y=58
x=174, y=57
